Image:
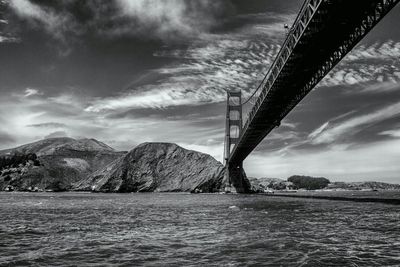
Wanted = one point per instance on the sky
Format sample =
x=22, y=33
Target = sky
x=131, y=71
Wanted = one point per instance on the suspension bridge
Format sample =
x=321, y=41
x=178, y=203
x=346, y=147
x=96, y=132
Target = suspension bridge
x=323, y=32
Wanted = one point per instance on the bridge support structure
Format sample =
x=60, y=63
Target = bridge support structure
x=235, y=178
x=320, y=37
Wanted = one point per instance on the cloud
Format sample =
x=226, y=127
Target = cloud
x=56, y=134
x=48, y=125
x=332, y=131
x=202, y=72
x=206, y=70
x=30, y=92
x=319, y=130
x=31, y=118
x=375, y=63
x=389, y=50
x=162, y=98
x=7, y=39
x=382, y=87
x=289, y=125
x=54, y=23
x=238, y=61
x=171, y=18
x=393, y=133
x=5, y=36
x=150, y=19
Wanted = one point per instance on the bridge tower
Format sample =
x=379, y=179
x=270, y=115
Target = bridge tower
x=235, y=177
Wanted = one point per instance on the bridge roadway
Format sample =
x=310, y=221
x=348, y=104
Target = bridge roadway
x=322, y=34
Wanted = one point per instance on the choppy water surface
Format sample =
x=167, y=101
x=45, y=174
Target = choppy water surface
x=83, y=229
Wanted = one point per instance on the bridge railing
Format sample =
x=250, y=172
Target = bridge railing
x=253, y=103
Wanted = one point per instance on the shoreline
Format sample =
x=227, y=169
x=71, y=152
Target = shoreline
x=392, y=201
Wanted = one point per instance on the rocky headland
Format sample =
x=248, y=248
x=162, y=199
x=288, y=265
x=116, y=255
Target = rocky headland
x=157, y=167
x=64, y=164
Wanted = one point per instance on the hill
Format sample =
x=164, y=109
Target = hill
x=59, y=145
x=308, y=182
x=157, y=167
x=58, y=163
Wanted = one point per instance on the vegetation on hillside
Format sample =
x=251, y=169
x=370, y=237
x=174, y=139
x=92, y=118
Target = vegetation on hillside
x=15, y=160
x=308, y=182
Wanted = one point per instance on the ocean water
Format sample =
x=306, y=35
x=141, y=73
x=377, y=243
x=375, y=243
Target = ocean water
x=85, y=229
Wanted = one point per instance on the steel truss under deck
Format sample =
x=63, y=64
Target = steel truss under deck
x=322, y=34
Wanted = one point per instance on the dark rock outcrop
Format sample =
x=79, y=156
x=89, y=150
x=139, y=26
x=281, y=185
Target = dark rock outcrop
x=157, y=167
x=62, y=161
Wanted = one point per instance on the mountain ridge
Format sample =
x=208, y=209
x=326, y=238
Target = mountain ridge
x=62, y=161
x=49, y=145
x=64, y=164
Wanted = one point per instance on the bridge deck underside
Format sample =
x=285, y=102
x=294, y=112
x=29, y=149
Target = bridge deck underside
x=330, y=27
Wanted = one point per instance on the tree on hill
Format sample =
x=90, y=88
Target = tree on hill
x=308, y=182
x=13, y=161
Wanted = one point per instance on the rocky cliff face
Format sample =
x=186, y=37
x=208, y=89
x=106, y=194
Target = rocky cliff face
x=62, y=161
x=157, y=167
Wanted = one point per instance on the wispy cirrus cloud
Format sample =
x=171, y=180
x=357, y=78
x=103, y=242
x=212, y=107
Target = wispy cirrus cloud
x=393, y=133
x=47, y=125
x=164, y=97
x=379, y=62
x=7, y=39
x=206, y=70
x=5, y=36
x=389, y=50
x=335, y=131
x=56, y=134
x=381, y=87
x=30, y=92
x=238, y=62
